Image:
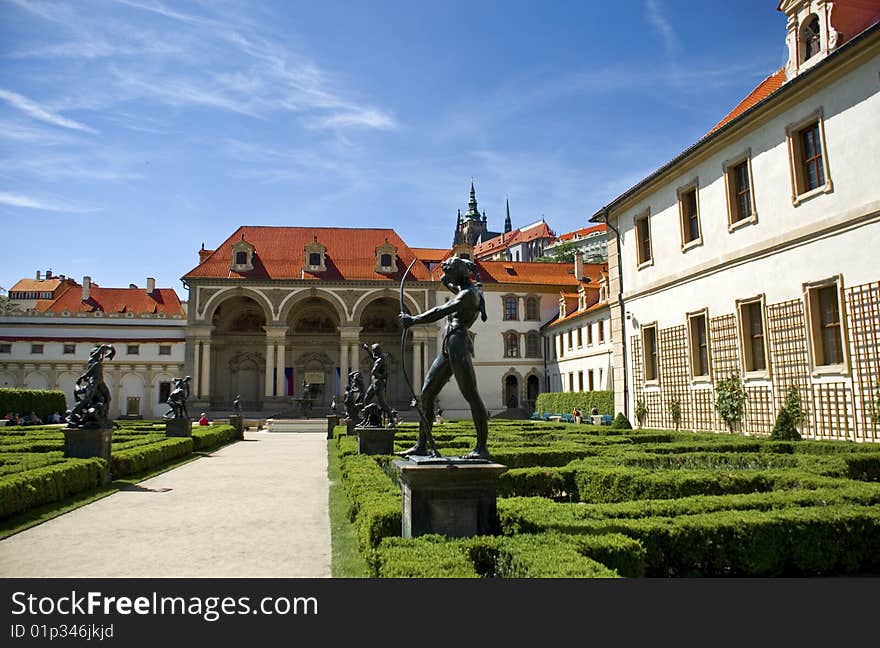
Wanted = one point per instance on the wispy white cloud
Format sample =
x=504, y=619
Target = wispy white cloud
x=41, y=113
x=659, y=21
x=27, y=202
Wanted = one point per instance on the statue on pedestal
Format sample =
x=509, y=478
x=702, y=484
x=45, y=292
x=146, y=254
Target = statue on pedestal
x=91, y=393
x=177, y=399
x=236, y=405
x=376, y=409
x=461, y=278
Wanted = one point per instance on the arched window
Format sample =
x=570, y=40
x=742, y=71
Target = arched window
x=510, y=308
x=533, y=345
x=533, y=308
x=314, y=259
x=385, y=260
x=241, y=258
x=511, y=345
x=810, y=37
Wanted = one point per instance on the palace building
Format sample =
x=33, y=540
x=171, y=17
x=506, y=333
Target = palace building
x=45, y=341
x=753, y=252
x=271, y=308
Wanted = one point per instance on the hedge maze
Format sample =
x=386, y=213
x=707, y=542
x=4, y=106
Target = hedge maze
x=595, y=502
x=34, y=471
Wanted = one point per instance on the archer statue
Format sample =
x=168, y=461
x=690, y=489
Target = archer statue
x=461, y=278
x=91, y=393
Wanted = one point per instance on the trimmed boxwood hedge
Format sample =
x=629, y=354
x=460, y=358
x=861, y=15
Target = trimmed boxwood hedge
x=213, y=436
x=24, y=401
x=141, y=458
x=374, y=500
x=565, y=402
x=23, y=491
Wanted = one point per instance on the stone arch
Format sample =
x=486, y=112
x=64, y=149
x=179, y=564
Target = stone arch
x=511, y=388
x=7, y=380
x=335, y=302
x=66, y=381
x=36, y=380
x=385, y=293
x=532, y=387
x=131, y=385
x=216, y=300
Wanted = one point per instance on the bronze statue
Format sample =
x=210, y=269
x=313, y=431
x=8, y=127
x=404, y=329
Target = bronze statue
x=455, y=354
x=91, y=392
x=375, y=394
x=177, y=399
x=354, y=396
x=236, y=405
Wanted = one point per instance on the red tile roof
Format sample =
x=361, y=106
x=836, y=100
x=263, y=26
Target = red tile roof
x=119, y=300
x=493, y=245
x=41, y=285
x=431, y=254
x=767, y=87
x=538, y=274
x=572, y=315
x=279, y=254
x=581, y=233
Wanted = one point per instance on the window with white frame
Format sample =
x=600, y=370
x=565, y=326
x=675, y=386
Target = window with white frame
x=753, y=339
x=649, y=352
x=824, y=302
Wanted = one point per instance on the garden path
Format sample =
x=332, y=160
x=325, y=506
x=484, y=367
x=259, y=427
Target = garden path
x=256, y=508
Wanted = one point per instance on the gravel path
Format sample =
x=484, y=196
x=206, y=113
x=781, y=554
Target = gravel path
x=256, y=508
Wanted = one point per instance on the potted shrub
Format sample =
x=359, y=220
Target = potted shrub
x=730, y=399
x=641, y=412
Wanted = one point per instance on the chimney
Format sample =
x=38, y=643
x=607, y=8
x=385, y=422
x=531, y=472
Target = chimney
x=204, y=254
x=151, y=285
x=39, y=275
x=579, y=265
x=49, y=273
x=131, y=285
x=87, y=288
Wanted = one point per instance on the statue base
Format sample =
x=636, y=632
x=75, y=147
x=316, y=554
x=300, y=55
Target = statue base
x=238, y=423
x=84, y=443
x=376, y=440
x=451, y=496
x=178, y=428
x=332, y=422
x=351, y=427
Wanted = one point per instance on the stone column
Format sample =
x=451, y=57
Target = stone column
x=117, y=384
x=343, y=365
x=270, y=366
x=205, y=389
x=349, y=339
x=280, y=363
x=196, y=375
x=148, y=393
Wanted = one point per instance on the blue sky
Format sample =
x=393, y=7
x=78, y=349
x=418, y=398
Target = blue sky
x=132, y=131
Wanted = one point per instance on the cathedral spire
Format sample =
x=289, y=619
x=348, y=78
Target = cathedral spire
x=472, y=212
x=507, y=224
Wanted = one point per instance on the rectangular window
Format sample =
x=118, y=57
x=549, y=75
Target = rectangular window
x=590, y=376
x=36, y=348
x=510, y=308
x=690, y=217
x=590, y=334
x=5, y=348
x=165, y=349
x=601, y=328
x=826, y=325
x=533, y=345
x=643, y=239
x=571, y=382
x=649, y=350
x=580, y=337
x=533, y=309
x=808, y=158
x=741, y=192
x=581, y=380
x=699, y=345
x=133, y=349
x=561, y=345
x=570, y=340
x=69, y=348
x=752, y=329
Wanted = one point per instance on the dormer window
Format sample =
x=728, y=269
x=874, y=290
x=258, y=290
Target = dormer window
x=242, y=256
x=386, y=258
x=810, y=38
x=315, y=257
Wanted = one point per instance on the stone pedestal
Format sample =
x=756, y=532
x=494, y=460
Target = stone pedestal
x=350, y=427
x=376, y=441
x=84, y=443
x=238, y=423
x=178, y=428
x=449, y=496
x=332, y=422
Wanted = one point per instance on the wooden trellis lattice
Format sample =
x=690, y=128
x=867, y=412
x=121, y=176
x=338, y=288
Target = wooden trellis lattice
x=725, y=353
x=674, y=374
x=863, y=310
x=759, y=414
x=832, y=407
x=790, y=364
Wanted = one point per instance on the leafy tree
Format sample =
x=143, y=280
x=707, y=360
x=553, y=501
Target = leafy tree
x=562, y=253
x=621, y=422
x=675, y=411
x=641, y=412
x=6, y=304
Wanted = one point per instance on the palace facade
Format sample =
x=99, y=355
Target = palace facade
x=754, y=251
